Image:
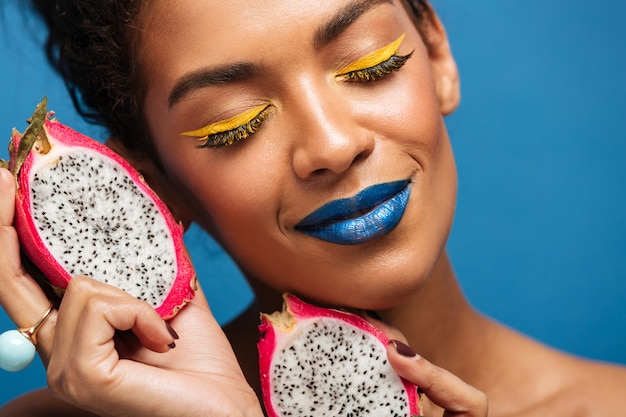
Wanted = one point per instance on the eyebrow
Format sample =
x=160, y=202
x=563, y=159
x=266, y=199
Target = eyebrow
x=205, y=77
x=242, y=71
x=337, y=24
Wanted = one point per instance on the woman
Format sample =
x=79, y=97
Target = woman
x=335, y=98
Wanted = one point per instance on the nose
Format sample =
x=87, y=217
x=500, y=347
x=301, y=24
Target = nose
x=329, y=139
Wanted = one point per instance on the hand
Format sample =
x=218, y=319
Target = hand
x=110, y=354
x=138, y=373
x=444, y=390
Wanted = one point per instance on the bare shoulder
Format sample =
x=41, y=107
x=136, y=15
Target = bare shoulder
x=40, y=403
x=536, y=380
x=587, y=389
x=604, y=385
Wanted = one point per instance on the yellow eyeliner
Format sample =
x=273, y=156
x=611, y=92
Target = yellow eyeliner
x=226, y=125
x=374, y=58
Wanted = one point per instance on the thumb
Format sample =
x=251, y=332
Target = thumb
x=442, y=388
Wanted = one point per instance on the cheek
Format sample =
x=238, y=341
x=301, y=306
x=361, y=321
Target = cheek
x=226, y=189
x=234, y=192
x=415, y=122
x=419, y=123
x=407, y=112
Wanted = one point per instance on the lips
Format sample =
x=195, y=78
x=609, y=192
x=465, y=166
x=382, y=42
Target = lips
x=370, y=214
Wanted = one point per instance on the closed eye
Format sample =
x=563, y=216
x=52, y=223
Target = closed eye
x=378, y=71
x=375, y=65
x=229, y=131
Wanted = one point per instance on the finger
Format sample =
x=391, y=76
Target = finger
x=85, y=350
x=20, y=296
x=440, y=386
x=92, y=311
x=7, y=203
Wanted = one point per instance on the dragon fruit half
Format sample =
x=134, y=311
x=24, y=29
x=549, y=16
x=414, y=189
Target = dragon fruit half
x=82, y=209
x=322, y=362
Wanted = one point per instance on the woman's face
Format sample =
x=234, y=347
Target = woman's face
x=329, y=108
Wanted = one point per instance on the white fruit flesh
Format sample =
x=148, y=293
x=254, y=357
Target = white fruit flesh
x=98, y=223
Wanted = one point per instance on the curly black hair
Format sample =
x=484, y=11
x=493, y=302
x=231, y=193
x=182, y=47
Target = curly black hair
x=92, y=45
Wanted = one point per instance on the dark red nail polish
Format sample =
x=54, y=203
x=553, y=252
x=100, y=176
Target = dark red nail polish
x=171, y=331
x=172, y=345
x=403, y=349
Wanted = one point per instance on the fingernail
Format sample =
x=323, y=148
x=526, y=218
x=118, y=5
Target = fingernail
x=172, y=345
x=374, y=314
x=171, y=331
x=403, y=349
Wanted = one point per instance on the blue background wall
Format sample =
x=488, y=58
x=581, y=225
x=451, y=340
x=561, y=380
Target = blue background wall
x=539, y=241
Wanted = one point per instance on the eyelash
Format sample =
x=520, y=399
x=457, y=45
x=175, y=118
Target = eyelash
x=378, y=71
x=228, y=137
x=373, y=73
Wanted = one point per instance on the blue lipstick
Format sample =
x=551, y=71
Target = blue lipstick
x=371, y=213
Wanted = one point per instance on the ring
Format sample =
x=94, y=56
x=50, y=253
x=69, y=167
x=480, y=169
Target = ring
x=18, y=347
x=30, y=333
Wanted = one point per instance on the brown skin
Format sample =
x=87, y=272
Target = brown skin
x=250, y=196
x=520, y=376
x=324, y=139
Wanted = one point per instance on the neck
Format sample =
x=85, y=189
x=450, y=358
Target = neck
x=437, y=321
x=440, y=324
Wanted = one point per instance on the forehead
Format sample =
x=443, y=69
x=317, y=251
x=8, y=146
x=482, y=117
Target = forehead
x=177, y=38
x=224, y=16
x=223, y=29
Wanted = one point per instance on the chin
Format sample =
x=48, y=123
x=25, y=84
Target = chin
x=379, y=287
x=378, y=275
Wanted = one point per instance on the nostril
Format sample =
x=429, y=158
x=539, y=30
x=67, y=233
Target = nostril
x=331, y=151
x=362, y=156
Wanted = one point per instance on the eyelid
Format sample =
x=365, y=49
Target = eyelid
x=373, y=58
x=226, y=125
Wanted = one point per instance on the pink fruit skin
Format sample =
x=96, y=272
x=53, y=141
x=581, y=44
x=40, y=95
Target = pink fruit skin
x=183, y=289
x=270, y=335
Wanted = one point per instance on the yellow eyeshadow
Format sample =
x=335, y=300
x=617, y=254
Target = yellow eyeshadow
x=226, y=125
x=374, y=58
